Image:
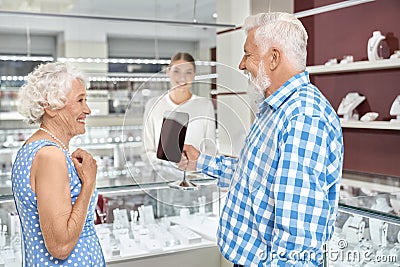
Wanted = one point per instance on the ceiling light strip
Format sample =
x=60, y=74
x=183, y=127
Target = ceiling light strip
x=114, y=60
x=26, y=58
x=100, y=60
x=121, y=19
x=205, y=63
x=13, y=78
x=131, y=79
x=98, y=79
x=128, y=75
x=206, y=76
x=331, y=7
x=141, y=77
x=129, y=61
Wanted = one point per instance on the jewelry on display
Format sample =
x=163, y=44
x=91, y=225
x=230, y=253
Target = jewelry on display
x=55, y=138
x=348, y=104
x=354, y=229
x=395, y=109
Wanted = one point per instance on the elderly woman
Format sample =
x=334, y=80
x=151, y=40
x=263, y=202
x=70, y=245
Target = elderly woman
x=54, y=190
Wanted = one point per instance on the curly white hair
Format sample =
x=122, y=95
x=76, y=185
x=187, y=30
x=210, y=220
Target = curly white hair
x=47, y=87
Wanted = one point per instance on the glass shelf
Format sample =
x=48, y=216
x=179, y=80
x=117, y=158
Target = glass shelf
x=355, y=66
x=95, y=120
x=367, y=206
x=373, y=195
x=379, y=125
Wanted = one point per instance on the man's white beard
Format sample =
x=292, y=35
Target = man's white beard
x=258, y=85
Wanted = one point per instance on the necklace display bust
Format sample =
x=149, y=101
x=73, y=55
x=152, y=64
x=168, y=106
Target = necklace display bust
x=349, y=103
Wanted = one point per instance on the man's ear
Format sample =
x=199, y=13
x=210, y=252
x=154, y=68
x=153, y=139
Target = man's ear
x=274, y=59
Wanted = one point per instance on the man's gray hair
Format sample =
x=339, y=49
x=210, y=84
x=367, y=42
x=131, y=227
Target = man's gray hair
x=283, y=30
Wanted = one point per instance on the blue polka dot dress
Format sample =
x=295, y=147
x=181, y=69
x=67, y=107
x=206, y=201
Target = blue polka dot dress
x=87, y=251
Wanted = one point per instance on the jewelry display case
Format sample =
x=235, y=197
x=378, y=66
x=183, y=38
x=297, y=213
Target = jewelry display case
x=367, y=230
x=139, y=218
x=149, y=224
x=368, y=221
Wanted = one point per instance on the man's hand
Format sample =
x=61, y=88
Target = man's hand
x=189, y=158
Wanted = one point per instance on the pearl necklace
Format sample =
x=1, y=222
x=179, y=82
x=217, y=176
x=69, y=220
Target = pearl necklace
x=55, y=138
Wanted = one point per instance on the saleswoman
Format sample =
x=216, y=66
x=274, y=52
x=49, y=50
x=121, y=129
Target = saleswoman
x=201, y=128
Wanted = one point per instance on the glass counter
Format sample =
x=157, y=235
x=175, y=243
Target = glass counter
x=367, y=229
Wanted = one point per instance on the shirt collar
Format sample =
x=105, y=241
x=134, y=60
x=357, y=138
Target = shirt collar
x=289, y=87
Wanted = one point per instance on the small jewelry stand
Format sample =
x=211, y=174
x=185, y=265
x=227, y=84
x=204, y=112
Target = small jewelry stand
x=353, y=229
x=396, y=248
x=378, y=228
x=349, y=104
x=395, y=109
x=184, y=184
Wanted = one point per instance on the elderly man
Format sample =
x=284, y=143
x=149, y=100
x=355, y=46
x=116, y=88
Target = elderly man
x=284, y=187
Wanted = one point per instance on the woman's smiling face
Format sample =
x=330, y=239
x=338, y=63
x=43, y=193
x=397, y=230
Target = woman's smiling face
x=73, y=115
x=181, y=74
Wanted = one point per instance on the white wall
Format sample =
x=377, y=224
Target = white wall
x=259, y=6
x=138, y=48
x=11, y=43
x=234, y=115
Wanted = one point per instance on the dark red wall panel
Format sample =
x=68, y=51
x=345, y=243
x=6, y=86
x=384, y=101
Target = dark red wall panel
x=343, y=32
x=373, y=151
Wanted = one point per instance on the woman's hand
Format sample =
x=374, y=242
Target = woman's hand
x=85, y=166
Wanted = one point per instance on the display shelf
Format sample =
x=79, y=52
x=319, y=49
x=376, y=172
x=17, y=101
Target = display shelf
x=115, y=148
x=112, y=120
x=362, y=190
x=8, y=150
x=11, y=116
x=106, y=145
x=360, y=184
x=204, y=225
x=355, y=66
x=379, y=125
x=6, y=199
x=362, y=207
x=96, y=143
x=373, y=187
x=10, y=88
x=95, y=120
x=139, y=254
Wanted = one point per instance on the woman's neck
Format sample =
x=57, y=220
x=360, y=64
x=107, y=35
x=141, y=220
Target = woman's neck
x=57, y=131
x=180, y=97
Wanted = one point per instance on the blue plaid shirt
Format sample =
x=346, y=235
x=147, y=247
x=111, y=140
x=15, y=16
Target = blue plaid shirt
x=284, y=187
